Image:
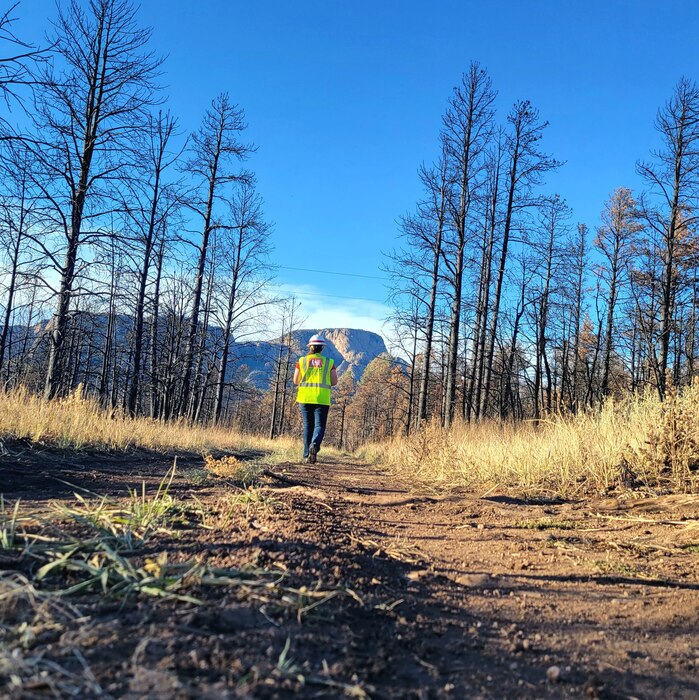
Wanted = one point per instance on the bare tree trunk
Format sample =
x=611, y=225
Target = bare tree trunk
x=466, y=128
x=590, y=390
x=12, y=282
x=509, y=396
x=196, y=305
x=555, y=210
x=440, y=206
x=577, y=314
x=199, y=384
x=285, y=382
x=277, y=388
x=214, y=146
x=107, y=83
x=492, y=225
x=227, y=330
x=411, y=374
x=154, y=332
x=527, y=165
x=109, y=343
x=675, y=180
x=161, y=130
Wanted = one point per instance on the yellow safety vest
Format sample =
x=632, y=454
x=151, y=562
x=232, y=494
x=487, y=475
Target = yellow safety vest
x=314, y=386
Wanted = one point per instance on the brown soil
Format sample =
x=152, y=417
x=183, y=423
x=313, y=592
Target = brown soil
x=456, y=596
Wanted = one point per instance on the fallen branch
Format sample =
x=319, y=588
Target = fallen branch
x=285, y=479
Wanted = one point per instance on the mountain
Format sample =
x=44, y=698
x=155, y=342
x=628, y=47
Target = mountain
x=351, y=348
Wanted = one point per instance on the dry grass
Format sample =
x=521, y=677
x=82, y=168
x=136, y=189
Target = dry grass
x=78, y=422
x=105, y=555
x=639, y=441
x=636, y=442
x=94, y=549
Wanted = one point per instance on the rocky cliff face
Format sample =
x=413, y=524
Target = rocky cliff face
x=351, y=348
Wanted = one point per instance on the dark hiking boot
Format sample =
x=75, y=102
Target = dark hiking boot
x=312, y=453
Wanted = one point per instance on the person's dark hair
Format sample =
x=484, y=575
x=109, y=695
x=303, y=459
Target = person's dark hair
x=316, y=349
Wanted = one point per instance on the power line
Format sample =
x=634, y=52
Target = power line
x=328, y=272
x=335, y=296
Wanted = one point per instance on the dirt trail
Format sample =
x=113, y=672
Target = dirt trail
x=456, y=596
x=605, y=591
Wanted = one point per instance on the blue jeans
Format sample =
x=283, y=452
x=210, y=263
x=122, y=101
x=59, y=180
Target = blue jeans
x=315, y=418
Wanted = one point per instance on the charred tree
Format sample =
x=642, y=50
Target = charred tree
x=214, y=148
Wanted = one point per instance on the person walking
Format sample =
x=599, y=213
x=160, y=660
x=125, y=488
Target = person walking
x=314, y=375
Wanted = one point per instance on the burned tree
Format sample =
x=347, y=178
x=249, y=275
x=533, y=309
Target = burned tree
x=90, y=99
x=526, y=166
x=467, y=128
x=670, y=208
x=215, y=147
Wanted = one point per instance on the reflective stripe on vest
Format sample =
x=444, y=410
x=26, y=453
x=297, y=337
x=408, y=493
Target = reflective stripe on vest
x=314, y=385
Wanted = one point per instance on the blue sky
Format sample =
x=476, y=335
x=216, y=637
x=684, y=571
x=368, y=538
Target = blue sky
x=344, y=101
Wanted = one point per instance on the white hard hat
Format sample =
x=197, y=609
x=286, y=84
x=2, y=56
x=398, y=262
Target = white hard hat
x=316, y=340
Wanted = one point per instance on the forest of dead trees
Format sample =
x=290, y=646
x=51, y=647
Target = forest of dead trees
x=507, y=308
x=133, y=255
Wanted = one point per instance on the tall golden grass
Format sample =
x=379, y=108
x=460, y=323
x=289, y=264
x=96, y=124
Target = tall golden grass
x=638, y=441
x=78, y=422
